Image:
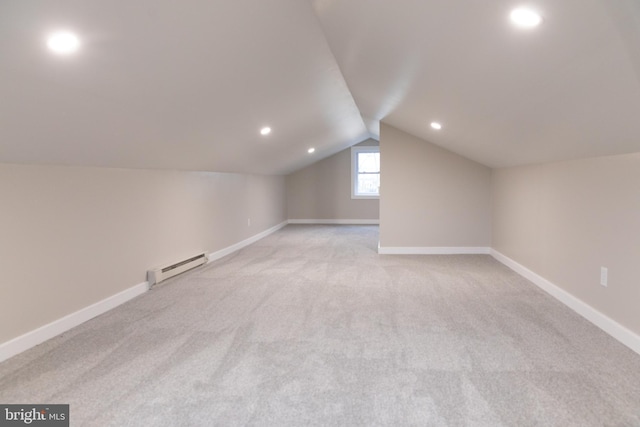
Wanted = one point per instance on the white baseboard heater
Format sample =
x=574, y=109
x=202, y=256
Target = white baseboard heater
x=159, y=274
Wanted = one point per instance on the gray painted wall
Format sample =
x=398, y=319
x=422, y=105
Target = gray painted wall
x=431, y=197
x=323, y=191
x=72, y=236
x=565, y=220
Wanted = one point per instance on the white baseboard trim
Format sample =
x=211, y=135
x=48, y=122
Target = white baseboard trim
x=31, y=339
x=335, y=221
x=231, y=249
x=610, y=326
x=57, y=327
x=446, y=250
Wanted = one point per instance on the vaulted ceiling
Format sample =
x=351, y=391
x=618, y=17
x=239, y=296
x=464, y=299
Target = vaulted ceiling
x=189, y=84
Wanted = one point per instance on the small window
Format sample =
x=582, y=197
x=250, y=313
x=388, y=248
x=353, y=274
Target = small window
x=365, y=172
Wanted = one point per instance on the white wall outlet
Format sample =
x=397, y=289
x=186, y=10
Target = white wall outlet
x=604, y=276
x=248, y=222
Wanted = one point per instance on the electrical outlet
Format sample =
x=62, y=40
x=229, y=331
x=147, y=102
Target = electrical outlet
x=604, y=276
x=248, y=222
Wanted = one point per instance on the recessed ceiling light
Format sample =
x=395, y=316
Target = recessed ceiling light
x=311, y=150
x=436, y=125
x=525, y=18
x=63, y=42
x=265, y=131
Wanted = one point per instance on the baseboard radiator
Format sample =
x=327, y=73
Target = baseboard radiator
x=159, y=274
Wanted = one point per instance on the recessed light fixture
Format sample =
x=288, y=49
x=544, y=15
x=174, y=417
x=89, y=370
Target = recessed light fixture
x=311, y=150
x=436, y=125
x=265, y=130
x=525, y=18
x=63, y=42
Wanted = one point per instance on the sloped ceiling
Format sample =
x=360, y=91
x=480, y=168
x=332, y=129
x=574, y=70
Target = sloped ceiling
x=172, y=84
x=188, y=84
x=505, y=96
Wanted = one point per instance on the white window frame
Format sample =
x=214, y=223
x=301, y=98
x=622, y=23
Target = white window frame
x=354, y=168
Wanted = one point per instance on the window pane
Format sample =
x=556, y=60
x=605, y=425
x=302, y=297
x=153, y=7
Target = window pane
x=368, y=184
x=368, y=162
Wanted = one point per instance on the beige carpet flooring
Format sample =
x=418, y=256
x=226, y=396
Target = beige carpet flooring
x=310, y=326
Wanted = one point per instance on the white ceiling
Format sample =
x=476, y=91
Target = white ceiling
x=172, y=84
x=568, y=89
x=188, y=84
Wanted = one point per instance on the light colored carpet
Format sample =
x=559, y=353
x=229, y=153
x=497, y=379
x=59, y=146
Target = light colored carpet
x=310, y=326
